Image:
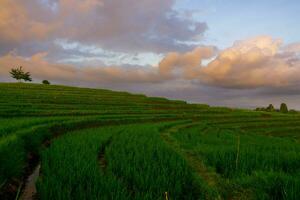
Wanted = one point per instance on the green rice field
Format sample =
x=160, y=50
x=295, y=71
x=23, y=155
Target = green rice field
x=86, y=143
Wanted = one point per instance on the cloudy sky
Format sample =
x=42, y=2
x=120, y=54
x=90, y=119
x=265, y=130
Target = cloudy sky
x=220, y=52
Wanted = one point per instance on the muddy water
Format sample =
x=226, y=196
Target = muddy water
x=30, y=189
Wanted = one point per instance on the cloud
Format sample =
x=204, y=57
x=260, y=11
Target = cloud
x=41, y=69
x=250, y=73
x=17, y=24
x=186, y=64
x=81, y=6
x=128, y=26
x=38, y=67
x=114, y=38
x=173, y=66
x=260, y=62
x=257, y=62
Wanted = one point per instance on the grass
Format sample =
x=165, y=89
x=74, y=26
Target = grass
x=140, y=166
x=148, y=146
x=242, y=160
x=71, y=170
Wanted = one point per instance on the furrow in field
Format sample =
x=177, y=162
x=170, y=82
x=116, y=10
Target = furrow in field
x=35, y=136
x=139, y=166
x=209, y=177
x=102, y=157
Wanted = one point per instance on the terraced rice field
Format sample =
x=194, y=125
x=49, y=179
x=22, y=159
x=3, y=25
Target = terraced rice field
x=100, y=144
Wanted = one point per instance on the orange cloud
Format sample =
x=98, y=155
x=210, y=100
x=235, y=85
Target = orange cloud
x=253, y=63
x=40, y=68
x=257, y=62
x=109, y=24
x=187, y=64
x=16, y=25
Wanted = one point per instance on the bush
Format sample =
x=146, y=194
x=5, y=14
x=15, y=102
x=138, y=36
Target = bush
x=46, y=82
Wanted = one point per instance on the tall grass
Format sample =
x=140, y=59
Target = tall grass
x=139, y=166
x=246, y=158
x=70, y=169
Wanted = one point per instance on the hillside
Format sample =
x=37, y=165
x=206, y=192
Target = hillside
x=102, y=144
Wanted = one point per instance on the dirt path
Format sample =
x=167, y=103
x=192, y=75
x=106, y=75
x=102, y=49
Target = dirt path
x=29, y=191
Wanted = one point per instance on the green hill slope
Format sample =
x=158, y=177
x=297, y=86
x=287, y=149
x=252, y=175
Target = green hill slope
x=131, y=146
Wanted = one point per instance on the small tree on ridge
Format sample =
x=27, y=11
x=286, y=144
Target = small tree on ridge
x=19, y=74
x=46, y=82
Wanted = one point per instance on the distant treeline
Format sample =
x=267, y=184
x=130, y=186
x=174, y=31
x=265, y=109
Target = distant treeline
x=283, y=109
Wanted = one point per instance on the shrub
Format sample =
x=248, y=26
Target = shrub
x=46, y=82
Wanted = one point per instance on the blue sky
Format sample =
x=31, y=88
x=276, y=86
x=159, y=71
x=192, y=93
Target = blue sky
x=231, y=20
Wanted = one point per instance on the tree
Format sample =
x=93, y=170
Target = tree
x=26, y=77
x=284, y=108
x=46, y=82
x=270, y=108
x=19, y=74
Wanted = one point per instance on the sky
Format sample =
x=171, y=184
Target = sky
x=220, y=52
